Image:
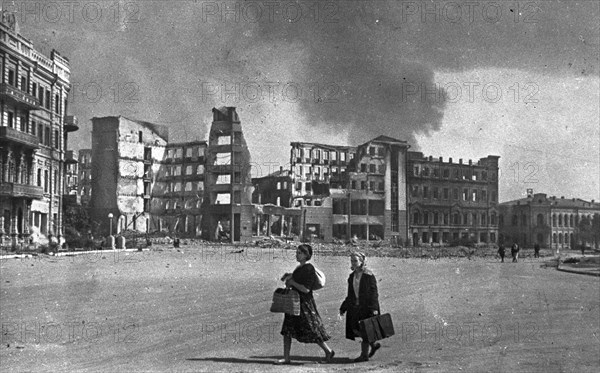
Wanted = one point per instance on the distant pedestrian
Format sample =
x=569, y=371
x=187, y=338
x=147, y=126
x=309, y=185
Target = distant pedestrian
x=514, y=251
x=536, y=250
x=501, y=252
x=582, y=249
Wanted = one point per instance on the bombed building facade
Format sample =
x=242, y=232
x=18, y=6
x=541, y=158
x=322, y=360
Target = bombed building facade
x=33, y=136
x=227, y=207
x=126, y=157
x=451, y=201
x=380, y=190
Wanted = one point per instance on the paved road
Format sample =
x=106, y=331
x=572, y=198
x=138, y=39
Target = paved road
x=207, y=310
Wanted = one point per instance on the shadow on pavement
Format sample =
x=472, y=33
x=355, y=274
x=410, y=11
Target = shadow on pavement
x=238, y=360
x=314, y=359
x=270, y=360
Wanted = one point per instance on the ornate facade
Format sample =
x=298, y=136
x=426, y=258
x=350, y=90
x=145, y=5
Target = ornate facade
x=33, y=137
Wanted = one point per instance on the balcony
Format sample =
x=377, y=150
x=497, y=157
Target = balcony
x=15, y=190
x=71, y=157
x=71, y=123
x=8, y=134
x=18, y=98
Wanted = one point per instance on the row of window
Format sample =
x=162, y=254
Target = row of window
x=460, y=174
x=455, y=218
x=318, y=171
x=193, y=151
x=38, y=90
x=189, y=170
x=188, y=187
x=470, y=195
x=558, y=220
x=318, y=154
x=43, y=132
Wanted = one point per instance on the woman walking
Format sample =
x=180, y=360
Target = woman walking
x=308, y=327
x=361, y=303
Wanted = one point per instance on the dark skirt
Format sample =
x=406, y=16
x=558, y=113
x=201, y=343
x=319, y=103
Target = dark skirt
x=308, y=327
x=353, y=316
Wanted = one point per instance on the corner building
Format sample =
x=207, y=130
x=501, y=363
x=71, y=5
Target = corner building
x=33, y=136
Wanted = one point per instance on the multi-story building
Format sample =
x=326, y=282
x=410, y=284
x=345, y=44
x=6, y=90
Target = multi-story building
x=179, y=190
x=126, y=157
x=227, y=182
x=371, y=202
x=450, y=202
x=550, y=222
x=84, y=186
x=381, y=190
x=33, y=136
x=274, y=189
x=315, y=168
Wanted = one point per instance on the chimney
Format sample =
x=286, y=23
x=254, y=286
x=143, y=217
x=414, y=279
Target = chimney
x=280, y=168
x=430, y=158
x=470, y=162
x=450, y=160
x=460, y=161
x=562, y=197
x=441, y=159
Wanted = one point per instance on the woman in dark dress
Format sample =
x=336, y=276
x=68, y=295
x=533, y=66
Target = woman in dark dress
x=308, y=327
x=361, y=303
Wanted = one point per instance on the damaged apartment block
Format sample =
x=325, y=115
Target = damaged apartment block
x=126, y=157
x=227, y=208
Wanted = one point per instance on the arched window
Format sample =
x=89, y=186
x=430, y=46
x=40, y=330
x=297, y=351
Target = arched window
x=571, y=220
x=515, y=220
x=524, y=220
x=560, y=238
x=416, y=217
x=425, y=217
x=554, y=238
x=540, y=219
x=559, y=220
x=493, y=218
x=566, y=220
x=553, y=220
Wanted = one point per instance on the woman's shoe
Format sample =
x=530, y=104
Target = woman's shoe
x=361, y=358
x=328, y=358
x=374, y=348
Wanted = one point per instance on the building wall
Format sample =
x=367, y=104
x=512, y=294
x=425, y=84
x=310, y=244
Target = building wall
x=452, y=201
x=124, y=153
x=33, y=133
x=550, y=222
x=179, y=190
x=228, y=184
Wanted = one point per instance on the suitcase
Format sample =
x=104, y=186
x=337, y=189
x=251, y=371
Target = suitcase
x=376, y=328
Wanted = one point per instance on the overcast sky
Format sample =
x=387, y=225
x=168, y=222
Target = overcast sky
x=456, y=79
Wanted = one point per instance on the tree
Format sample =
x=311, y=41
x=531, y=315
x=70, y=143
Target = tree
x=585, y=230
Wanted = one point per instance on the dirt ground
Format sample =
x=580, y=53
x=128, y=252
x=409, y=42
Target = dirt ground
x=207, y=310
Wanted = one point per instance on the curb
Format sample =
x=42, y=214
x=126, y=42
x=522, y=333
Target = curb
x=579, y=272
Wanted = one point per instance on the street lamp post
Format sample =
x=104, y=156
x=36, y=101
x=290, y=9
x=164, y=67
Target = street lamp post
x=110, y=217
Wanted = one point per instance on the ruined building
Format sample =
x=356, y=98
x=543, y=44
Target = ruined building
x=380, y=190
x=452, y=202
x=126, y=157
x=227, y=208
x=178, y=192
x=33, y=136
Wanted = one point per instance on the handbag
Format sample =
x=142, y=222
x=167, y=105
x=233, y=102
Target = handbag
x=319, y=280
x=286, y=301
x=376, y=328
